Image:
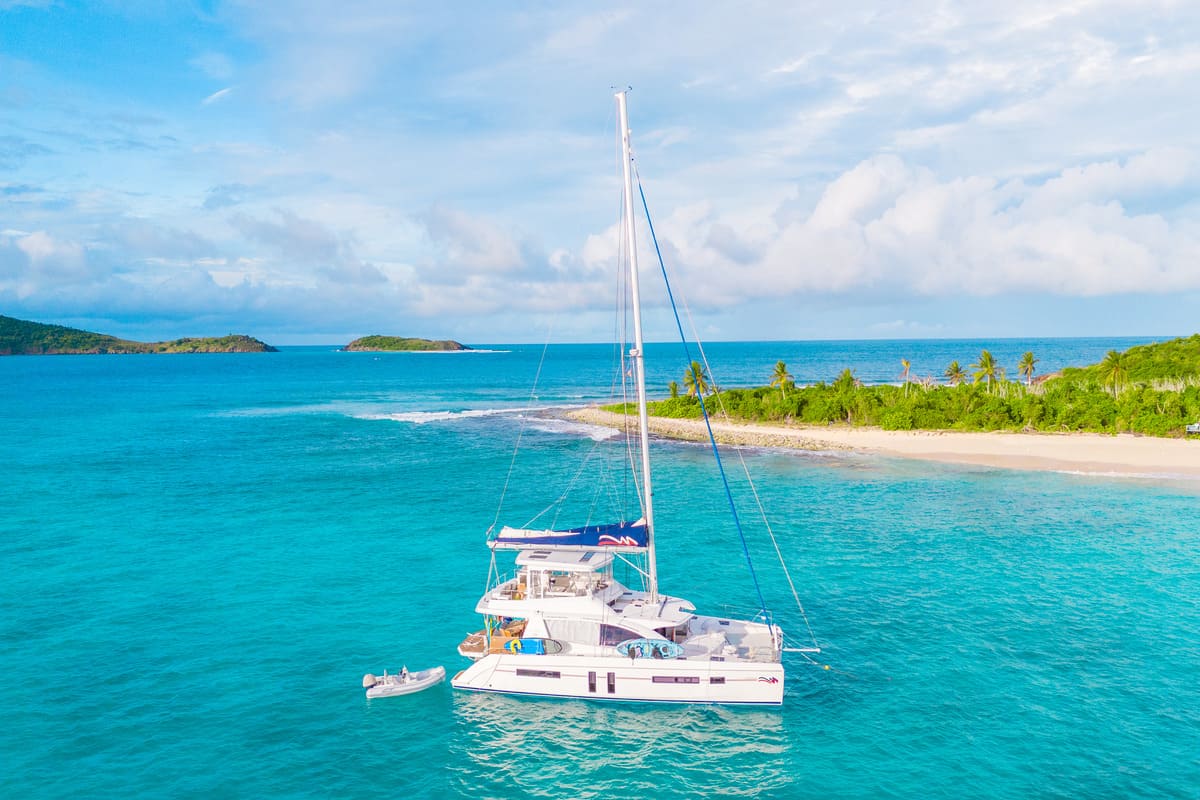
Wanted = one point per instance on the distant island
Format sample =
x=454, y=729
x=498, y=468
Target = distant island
x=22, y=338
x=399, y=343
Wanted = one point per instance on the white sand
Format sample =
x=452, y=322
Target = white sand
x=1124, y=454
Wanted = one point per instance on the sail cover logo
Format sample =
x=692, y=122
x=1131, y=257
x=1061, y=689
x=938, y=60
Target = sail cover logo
x=618, y=541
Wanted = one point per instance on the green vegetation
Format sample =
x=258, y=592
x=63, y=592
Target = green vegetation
x=782, y=378
x=1152, y=389
x=1173, y=361
x=985, y=369
x=955, y=374
x=1026, y=367
x=390, y=343
x=19, y=337
x=696, y=380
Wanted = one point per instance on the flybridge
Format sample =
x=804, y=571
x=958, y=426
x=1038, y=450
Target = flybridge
x=559, y=560
x=624, y=537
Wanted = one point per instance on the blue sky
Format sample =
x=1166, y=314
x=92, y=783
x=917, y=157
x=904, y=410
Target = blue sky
x=307, y=172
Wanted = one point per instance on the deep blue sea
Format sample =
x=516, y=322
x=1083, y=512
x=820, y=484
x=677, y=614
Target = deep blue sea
x=200, y=556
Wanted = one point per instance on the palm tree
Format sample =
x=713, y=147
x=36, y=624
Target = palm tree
x=846, y=381
x=695, y=380
x=985, y=369
x=955, y=373
x=1114, y=370
x=904, y=362
x=782, y=378
x=673, y=389
x=1026, y=367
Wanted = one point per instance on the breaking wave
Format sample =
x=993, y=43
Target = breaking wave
x=425, y=417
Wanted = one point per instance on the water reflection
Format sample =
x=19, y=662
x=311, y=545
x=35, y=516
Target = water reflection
x=511, y=747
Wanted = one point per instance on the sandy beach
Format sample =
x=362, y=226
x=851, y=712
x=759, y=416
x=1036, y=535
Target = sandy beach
x=1123, y=454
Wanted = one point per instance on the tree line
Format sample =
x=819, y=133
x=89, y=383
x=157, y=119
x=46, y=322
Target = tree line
x=1150, y=389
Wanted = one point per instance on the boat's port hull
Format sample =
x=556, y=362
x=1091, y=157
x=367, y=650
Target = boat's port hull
x=629, y=680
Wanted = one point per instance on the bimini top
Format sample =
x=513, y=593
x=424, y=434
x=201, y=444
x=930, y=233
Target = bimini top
x=622, y=537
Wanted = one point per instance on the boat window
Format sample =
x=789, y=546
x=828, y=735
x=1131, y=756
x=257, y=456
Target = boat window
x=588, y=555
x=538, y=673
x=611, y=635
x=676, y=679
x=716, y=680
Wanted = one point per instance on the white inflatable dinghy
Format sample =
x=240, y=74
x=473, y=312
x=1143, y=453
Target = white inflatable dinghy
x=403, y=683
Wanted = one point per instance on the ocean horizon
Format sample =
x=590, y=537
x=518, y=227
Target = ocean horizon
x=203, y=555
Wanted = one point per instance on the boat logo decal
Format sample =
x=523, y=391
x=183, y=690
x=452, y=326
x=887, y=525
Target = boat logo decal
x=620, y=541
x=765, y=679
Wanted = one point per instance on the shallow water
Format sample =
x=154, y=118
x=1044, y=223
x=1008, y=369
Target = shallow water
x=203, y=554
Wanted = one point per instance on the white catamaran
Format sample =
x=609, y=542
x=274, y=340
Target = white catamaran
x=563, y=626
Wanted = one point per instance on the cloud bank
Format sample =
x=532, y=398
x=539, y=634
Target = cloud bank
x=450, y=172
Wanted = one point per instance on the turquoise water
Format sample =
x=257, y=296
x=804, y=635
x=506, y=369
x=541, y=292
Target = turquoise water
x=201, y=556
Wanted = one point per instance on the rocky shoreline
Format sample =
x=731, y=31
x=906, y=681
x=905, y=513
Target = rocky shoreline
x=724, y=431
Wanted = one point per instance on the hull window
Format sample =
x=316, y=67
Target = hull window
x=676, y=679
x=592, y=682
x=716, y=680
x=538, y=673
x=612, y=683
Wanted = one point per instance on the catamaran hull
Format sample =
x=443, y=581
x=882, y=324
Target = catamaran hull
x=637, y=680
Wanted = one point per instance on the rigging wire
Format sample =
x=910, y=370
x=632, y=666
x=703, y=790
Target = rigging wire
x=712, y=440
x=750, y=481
x=753, y=488
x=521, y=430
x=703, y=410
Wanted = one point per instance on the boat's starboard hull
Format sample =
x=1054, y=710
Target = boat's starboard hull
x=629, y=680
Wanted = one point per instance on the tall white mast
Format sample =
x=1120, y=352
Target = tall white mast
x=637, y=353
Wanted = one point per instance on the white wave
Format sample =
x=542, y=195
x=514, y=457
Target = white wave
x=424, y=417
x=597, y=433
x=1130, y=475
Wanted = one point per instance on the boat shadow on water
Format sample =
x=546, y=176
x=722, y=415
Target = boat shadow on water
x=512, y=746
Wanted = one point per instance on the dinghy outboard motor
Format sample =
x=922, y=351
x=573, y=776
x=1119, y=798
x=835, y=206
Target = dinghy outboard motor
x=369, y=680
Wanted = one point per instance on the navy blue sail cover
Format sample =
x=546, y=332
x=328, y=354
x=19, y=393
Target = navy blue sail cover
x=623, y=535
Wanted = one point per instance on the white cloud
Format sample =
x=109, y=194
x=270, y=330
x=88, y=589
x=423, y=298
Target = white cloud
x=467, y=244
x=884, y=227
x=220, y=94
x=456, y=160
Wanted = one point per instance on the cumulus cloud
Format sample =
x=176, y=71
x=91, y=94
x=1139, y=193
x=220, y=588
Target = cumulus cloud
x=471, y=244
x=299, y=240
x=887, y=227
